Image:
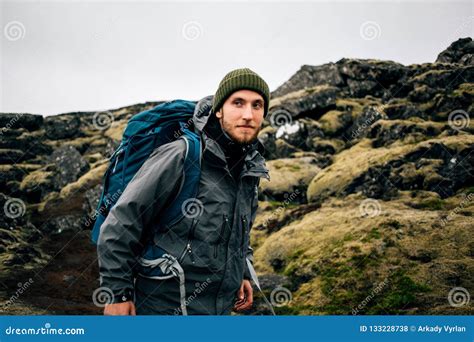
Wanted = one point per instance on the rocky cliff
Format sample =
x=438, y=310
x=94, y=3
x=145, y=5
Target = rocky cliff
x=369, y=209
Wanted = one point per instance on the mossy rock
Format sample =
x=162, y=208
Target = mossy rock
x=350, y=165
x=335, y=257
x=335, y=121
x=288, y=175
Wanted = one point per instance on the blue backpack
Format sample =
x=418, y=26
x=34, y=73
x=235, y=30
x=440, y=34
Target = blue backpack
x=145, y=132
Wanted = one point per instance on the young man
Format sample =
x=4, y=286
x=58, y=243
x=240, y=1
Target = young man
x=213, y=243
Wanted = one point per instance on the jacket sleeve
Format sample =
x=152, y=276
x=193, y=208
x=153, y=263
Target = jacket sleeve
x=252, y=220
x=119, y=241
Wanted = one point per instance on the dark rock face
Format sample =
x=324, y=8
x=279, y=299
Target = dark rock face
x=438, y=168
x=29, y=122
x=461, y=51
x=62, y=127
x=361, y=126
x=386, y=134
x=309, y=76
x=311, y=105
x=70, y=165
x=403, y=111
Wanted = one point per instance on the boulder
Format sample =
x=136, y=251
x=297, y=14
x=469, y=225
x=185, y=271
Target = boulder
x=461, y=51
x=289, y=176
x=30, y=122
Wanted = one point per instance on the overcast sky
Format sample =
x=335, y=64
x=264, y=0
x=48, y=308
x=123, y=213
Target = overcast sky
x=64, y=56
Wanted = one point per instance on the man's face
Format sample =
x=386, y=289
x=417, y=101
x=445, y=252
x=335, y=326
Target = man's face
x=241, y=116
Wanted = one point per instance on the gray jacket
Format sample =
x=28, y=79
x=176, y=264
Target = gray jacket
x=212, y=245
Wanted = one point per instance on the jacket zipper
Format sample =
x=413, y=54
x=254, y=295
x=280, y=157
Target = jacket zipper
x=221, y=234
x=188, y=248
x=244, y=232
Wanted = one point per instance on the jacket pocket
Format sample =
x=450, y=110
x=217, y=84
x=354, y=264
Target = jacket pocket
x=188, y=249
x=220, y=238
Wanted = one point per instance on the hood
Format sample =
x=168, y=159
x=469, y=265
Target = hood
x=202, y=112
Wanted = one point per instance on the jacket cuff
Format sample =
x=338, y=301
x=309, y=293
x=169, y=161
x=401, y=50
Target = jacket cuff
x=122, y=296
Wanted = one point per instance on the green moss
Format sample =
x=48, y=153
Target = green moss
x=278, y=204
x=392, y=224
x=362, y=261
x=464, y=88
x=373, y=234
x=275, y=204
x=432, y=204
x=469, y=190
x=296, y=255
x=348, y=237
x=401, y=293
x=295, y=168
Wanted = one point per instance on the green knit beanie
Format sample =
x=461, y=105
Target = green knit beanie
x=237, y=80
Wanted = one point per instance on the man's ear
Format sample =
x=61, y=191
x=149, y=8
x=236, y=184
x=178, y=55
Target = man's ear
x=219, y=114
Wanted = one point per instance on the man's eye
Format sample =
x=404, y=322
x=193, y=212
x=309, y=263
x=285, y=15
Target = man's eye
x=258, y=105
x=238, y=103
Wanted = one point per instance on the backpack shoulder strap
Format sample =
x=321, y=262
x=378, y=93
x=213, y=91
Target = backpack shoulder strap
x=190, y=181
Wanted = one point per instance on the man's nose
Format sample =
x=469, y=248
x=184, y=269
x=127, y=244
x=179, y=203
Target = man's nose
x=247, y=113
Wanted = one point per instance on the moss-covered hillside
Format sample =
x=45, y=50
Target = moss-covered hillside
x=369, y=209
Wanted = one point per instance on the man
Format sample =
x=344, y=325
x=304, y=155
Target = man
x=212, y=244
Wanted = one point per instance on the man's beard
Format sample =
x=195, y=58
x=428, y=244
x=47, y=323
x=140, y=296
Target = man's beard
x=245, y=140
